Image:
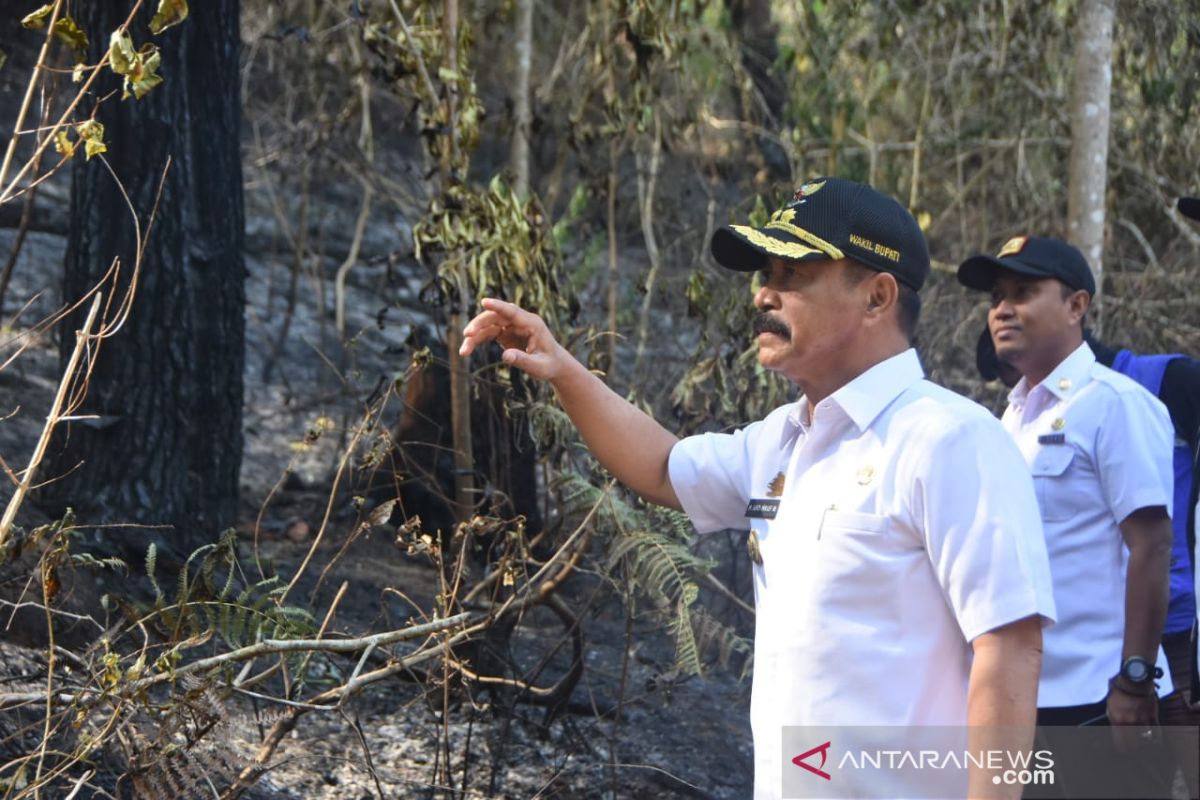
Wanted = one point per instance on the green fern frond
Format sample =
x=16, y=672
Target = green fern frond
x=151, y=564
x=88, y=561
x=687, y=651
x=712, y=635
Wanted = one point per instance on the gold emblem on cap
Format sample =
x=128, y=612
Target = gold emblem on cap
x=1058, y=424
x=1013, y=246
x=752, y=548
x=810, y=188
x=1064, y=384
x=775, y=487
x=866, y=475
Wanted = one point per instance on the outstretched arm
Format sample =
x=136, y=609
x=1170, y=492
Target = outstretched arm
x=627, y=442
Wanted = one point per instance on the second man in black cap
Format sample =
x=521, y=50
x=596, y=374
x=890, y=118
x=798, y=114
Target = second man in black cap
x=1099, y=447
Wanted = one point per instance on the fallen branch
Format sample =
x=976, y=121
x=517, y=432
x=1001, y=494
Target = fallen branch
x=276, y=646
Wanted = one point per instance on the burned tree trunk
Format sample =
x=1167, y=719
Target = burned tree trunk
x=759, y=48
x=165, y=444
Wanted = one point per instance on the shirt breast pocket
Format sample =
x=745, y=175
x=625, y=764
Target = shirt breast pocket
x=860, y=535
x=862, y=560
x=1051, y=467
x=852, y=522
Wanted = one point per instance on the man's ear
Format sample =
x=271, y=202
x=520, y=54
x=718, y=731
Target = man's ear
x=1079, y=303
x=882, y=294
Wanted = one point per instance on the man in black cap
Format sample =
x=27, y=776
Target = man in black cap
x=900, y=573
x=1100, y=450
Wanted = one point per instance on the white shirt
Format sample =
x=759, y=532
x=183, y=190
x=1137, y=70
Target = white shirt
x=907, y=527
x=1114, y=457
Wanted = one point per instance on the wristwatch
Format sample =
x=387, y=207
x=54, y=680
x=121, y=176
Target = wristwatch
x=1138, y=670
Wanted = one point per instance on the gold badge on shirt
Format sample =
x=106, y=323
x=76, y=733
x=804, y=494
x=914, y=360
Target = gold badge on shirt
x=752, y=548
x=763, y=509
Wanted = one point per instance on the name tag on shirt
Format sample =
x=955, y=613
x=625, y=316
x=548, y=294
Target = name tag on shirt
x=762, y=509
x=1052, y=438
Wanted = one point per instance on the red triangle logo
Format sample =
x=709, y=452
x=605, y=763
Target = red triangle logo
x=823, y=749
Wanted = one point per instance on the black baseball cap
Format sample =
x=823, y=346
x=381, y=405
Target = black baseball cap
x=1039, y=256
x=832, y=218
x=1189, y=207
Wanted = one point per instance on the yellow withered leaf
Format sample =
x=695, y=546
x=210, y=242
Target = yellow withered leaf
x=69, y=33
x=121, y=54
x=169, y=13
x=63, y=144
x=91, y=133
x=148, y=76
x=36, y=20
x=138, y=67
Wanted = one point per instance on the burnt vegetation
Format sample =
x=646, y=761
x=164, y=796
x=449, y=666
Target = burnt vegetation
x=267, y=534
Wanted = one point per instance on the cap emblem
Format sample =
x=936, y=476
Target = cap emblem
x=806, y=191
x=1013, y=246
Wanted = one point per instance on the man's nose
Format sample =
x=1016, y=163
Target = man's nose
x=766, y=298
x=1002, y=308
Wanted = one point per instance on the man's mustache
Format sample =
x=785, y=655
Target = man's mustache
x=765, y=323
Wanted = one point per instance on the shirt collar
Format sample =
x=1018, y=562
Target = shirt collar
x=1071, y=373
x=864, y=398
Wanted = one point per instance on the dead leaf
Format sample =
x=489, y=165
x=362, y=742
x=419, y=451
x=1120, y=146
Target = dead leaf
x=138, y=67
x=36, y=20
x=169, y=13
x=91, y=133
x=68, y=31
x=380, y=514
x=63, y=144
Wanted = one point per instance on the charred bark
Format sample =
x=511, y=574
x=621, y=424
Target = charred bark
x=166, y=444
x=759, y=52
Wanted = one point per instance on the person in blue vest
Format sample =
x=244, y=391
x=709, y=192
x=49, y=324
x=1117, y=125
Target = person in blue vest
x=1190, y=207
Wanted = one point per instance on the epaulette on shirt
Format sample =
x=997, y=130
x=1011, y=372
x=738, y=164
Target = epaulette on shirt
x=1120, y=383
